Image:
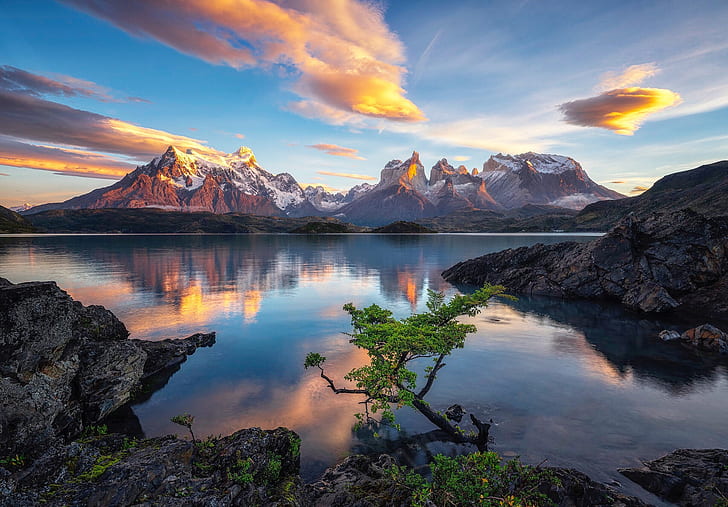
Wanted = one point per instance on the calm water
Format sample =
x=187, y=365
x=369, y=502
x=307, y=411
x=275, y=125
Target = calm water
x=579, y=384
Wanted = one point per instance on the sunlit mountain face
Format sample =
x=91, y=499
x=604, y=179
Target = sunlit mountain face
x=329, y=94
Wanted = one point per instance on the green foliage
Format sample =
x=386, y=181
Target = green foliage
x=13, y=462
x=102, y=464
x=240, y=473
x=185, y=420
x=477, y=479
x=295, y=445
x=313, y=359
x=129, y=443
x=272, y=471
x=392, y=344
x=94, y=430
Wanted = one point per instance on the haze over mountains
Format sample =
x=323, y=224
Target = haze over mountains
x=189, y=181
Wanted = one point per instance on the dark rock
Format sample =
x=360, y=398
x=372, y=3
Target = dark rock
x=651, y=264
x=363, y=481
x=359, y=481
x=686, y=476
x=250, y=467
x=707, y=337
x=64, y=366
x=455, y=413
x=578, y=490
x=165, y=354
x=668, y=335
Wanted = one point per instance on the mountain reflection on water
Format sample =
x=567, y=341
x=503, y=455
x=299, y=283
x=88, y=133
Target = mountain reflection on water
x=582, y=384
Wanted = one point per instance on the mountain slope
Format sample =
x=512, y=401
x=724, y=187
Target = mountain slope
x=703, y=189
x=199, y=182
x=534, y=178
x=12, y=223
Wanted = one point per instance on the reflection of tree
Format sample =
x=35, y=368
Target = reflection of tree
x=629, y=343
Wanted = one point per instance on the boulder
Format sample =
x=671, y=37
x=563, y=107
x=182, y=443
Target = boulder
x=65, y=366
x=707, y=337
x=654, y=264
x=686, y=476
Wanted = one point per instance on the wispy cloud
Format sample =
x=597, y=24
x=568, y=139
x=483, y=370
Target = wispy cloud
x=4, y=174
x=349, y=175
x=336, y=150
x=18, y=80
x=631, y=76
x=461, y=158
x=638, y=189
x=622, y=111
x=240, y=136
x=343, y=52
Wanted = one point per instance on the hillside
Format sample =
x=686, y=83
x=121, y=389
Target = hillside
x=150, y=220
x=703, y=189
x=13, y=223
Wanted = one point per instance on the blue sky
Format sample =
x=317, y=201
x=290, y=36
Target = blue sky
x=461, y=80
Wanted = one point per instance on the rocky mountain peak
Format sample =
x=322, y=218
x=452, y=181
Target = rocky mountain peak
x=410, y=174
x=245, y=154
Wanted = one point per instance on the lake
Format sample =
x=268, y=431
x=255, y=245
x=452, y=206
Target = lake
x=584, y=385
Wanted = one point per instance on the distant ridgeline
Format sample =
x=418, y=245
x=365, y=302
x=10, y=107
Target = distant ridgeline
x=235, y=183
x=233, y=194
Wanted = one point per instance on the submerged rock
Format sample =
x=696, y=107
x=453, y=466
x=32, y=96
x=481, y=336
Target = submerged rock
x=653, y=264
x=65, y=366
x=686, y=476
x=707, y=337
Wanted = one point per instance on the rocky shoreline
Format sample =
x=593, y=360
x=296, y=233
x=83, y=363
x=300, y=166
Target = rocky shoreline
x=65, y=367
x=665, y=262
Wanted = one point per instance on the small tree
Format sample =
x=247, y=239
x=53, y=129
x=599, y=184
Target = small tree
x=393, y=345
x=185, y=420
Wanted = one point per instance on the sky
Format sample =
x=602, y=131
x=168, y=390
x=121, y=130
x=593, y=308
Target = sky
x=330, y=91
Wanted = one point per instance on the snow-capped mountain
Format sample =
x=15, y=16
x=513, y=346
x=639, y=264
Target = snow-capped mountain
x=222, y=183
x=534, y=178
x=191, y=181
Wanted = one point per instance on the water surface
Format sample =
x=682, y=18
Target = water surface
x=579, y=384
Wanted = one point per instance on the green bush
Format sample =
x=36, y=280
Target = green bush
x=478, y=479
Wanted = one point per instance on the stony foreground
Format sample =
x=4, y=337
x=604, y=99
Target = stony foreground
x=65, y=366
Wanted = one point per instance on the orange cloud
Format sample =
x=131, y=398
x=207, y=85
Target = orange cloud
x=337, y=151
x=622, y=110
x=240, y=136
x=348, y=175
x=631, y=76
x=638, y=189
x=344, y=54
x=24, y=116
x=61, y=161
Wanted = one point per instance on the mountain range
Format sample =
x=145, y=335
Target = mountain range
x=192, y=181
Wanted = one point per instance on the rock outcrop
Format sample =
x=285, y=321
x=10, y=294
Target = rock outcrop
x=249, y=467
x=705, y=337
x=652, y=264
x=64, y=366
x=364, y=481
x=686, y=477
